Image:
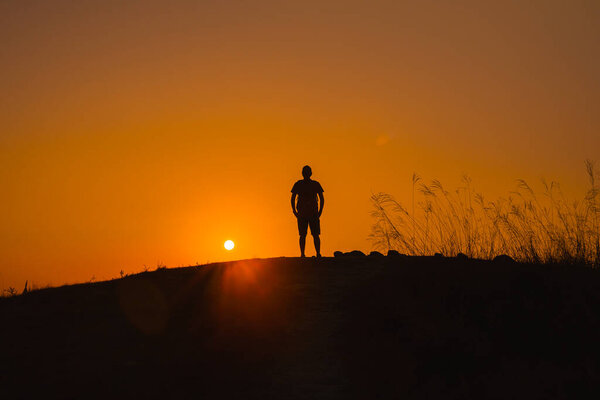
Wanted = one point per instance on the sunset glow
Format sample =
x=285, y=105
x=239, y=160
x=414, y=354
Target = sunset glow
x=229, y=245
x=138, y=133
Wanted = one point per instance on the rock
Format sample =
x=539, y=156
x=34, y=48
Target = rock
x=392, y=253
x=438, y=255
x=503, y=258
x=355, y=253
x=375, y=254
x=462, y=256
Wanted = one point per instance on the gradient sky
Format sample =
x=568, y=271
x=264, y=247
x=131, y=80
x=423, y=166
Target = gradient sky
x=134, y=133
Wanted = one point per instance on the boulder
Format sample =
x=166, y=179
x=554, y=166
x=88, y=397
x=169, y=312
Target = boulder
x=375, y=254
x=392, y=253
x=337, y=254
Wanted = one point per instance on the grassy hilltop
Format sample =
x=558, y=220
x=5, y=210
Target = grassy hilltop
x=346, y=327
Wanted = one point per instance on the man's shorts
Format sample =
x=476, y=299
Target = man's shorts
x=304, y=222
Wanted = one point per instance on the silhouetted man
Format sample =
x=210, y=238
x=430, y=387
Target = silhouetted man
x=307, y=210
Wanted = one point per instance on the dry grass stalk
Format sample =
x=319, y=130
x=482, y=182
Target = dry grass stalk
x=527, y=226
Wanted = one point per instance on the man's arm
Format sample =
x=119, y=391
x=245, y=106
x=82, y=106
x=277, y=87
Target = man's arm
x=294, y=204
x=321, y=203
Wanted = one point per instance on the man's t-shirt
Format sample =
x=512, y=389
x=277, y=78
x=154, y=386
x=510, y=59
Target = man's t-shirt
x=307, y=191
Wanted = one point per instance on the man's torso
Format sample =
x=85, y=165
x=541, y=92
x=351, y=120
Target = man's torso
x=307, y=191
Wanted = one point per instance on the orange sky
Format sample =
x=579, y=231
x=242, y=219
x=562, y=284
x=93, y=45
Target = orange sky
x=151, y=132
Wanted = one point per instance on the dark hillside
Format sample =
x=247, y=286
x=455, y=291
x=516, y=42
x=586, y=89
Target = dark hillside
x=358, y=327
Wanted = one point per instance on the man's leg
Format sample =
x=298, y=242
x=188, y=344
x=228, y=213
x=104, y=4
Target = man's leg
x=302, y=229
x=315, y=231
x=302, y=244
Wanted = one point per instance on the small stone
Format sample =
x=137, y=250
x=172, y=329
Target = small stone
x=393, y=253
x=338, y=254
x=503, y=258
x=375, y=254
x=355, y=253
x=438, y=255
x=462, y=256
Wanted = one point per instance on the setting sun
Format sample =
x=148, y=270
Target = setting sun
x=229, y=245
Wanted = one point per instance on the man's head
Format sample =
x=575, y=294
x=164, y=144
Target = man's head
x=306, y=172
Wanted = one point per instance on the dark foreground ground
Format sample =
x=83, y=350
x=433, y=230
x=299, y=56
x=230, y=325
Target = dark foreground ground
x=388, y=327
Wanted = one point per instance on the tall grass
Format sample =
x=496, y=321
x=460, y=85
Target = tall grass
x=528, y=226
